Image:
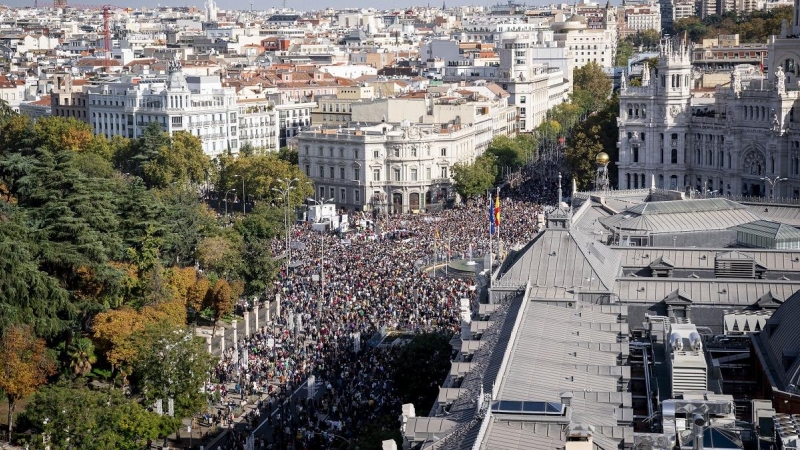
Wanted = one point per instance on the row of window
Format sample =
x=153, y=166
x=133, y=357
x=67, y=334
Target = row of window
x=395, y=152
x=396, y=175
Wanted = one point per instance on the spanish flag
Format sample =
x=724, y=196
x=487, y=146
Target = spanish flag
x=497, y=209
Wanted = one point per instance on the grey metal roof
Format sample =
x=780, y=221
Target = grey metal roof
x=768, y=229
x=719, y=292
x=723, y=219
x=789, y=215
x=558, y=349
x=693, y=258
x=553, y=346
x=564, y=259
x=512, y=436
x=685, y=206
x=780, y=338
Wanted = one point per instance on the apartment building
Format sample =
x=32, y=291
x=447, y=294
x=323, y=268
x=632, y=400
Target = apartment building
x=198, y=105
x=337, y=109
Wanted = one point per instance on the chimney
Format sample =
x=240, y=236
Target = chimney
x=698, y=422
x=566, y=398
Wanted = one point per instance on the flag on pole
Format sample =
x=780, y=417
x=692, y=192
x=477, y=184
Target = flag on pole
x=761, y=65
x=491, y=216
x=497, y=209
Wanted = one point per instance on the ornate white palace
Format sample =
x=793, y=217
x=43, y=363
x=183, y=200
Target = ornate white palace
x=735, y=140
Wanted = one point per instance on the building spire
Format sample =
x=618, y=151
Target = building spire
x=559, y=190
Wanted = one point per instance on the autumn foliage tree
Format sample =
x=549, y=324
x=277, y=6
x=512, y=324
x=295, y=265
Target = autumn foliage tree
x=25, y=365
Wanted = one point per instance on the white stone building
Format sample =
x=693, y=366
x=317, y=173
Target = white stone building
x=258, y=124
x=638, y=18
x=735, y=142
x=198, y=105
x=391, y=168
x=533, y=88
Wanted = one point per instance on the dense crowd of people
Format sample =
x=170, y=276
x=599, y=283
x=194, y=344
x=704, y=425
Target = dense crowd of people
x=331, y=304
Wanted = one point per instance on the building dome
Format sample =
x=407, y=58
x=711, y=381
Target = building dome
x=575, y=22
x=576, y=18
x=602, y=158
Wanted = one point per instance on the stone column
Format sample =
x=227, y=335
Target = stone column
x=208, y=342
x=222, y=343
x=247, y=324
x=255, y=311
x=235, y=333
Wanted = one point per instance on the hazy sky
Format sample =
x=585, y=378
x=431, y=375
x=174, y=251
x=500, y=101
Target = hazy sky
x=245, y=4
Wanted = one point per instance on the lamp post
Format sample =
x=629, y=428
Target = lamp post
x=226, y=200
x=244, y=205
x=773, y=182
x=322, y=250
x=286, y=187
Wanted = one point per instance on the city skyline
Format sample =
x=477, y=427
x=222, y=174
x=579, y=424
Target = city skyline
x=244, y=5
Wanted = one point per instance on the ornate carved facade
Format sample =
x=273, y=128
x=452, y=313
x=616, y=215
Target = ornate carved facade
x=728, y=141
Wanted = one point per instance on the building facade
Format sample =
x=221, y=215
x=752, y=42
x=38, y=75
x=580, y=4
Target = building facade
x=736, y=142
x=387, y=168
x=258, y=124
x=533, y=88
x=198, y=105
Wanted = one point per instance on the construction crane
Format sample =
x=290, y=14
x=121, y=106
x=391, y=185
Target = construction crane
x=106, y=9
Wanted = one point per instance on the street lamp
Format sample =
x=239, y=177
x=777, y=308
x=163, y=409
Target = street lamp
x=244, y=207
x=286, y=187
x=226, y=200
x=773, y=182
x=322, y=249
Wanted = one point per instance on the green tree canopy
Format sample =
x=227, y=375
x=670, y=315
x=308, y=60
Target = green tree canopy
x=420, y=366
x=582, y=148
x=474, y=179
x=74, y=416
x=171, y=363
x=260, y=174
x=591, y=86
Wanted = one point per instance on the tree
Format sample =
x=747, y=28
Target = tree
x=474, y=179
x=24, y=366
x=81, y=356
x=508, y=152
x=624, y=53
x=220, y=298
x=162, y=345
x=421, y=365
x=647, y=39
x=257, y=230
x=591, y=85
x=6, y=113
x=134, y=158
x=221, y=254
x=74, y=416
x=260, y=173
x=180, y=161
x=186, y=221
x=290, y=155
x=28, y=295
x=581, y=151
